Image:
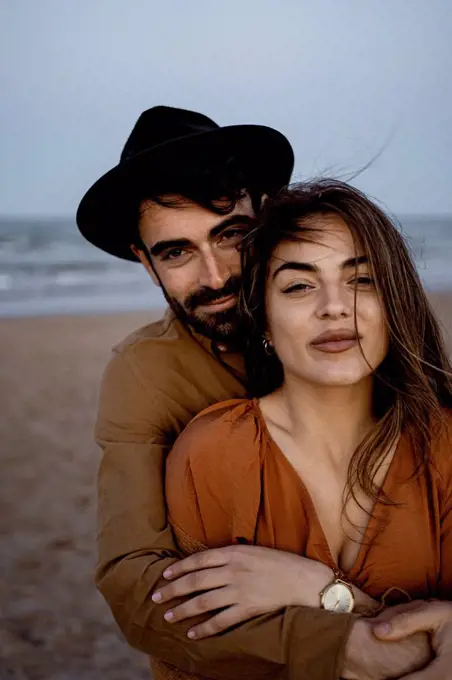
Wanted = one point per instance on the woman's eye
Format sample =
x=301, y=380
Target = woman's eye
x=297, y=288
x=363, y=280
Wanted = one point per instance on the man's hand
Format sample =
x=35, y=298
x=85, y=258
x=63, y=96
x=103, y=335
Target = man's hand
x=367, y=658
x=242, y=581
x=432, y=617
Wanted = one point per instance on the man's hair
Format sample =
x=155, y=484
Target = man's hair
x=216, y=186
x=414, y=382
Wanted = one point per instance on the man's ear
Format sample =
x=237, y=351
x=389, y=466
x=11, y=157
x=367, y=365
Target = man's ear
x=263, y=199
x=145, y=262
x=136, y=251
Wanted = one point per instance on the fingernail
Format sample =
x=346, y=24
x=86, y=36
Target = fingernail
x=168, y=616
x=156, y=597
x=382, y=628
x=167, y=573
x=191, y=634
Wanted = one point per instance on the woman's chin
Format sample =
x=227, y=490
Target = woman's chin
x=340, y=379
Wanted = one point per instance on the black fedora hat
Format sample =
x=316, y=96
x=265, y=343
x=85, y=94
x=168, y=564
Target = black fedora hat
x=162, y=139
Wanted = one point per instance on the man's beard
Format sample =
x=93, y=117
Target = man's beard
x=217, y=326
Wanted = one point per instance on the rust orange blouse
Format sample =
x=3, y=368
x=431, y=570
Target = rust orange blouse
x=228, y=480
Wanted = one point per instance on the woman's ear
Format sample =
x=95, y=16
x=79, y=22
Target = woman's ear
x=267, y=343
x=264, y=198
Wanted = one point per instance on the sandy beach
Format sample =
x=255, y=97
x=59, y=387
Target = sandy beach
x=53, y=623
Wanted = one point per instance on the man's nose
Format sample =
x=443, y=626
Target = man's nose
x=215, y=273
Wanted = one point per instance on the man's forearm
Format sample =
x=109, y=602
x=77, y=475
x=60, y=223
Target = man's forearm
x=136, y=546
x=297, y=642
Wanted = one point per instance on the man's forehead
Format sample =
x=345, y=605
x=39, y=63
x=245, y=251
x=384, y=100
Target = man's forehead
x=184, y=219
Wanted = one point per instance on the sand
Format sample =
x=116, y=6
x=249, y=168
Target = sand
x=53, y=623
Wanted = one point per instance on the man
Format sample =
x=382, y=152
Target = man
x=180, y=201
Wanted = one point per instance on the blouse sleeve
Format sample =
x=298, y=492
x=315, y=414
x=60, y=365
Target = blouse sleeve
x=446, y=513
x=213, y=479
x=446, y=547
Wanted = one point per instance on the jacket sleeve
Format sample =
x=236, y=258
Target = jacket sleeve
x=136, y=545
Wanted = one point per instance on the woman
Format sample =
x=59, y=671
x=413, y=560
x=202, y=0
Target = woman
x=342, y=455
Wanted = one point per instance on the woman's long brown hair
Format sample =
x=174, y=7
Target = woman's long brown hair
x=414, y=383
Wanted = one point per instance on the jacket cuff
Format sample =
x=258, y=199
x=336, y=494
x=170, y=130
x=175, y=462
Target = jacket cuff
x=317, y=644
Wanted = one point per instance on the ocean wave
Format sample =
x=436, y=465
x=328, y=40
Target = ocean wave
x=47, y=268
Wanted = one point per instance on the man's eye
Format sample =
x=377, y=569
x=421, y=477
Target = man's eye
x=173, y=254
x=233, y=235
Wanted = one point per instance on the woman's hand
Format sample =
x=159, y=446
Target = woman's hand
x=243, y=581
x=434, y=617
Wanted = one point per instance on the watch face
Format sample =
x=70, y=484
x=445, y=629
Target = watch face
x=338, y=598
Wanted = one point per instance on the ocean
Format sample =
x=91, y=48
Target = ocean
x=46, y=267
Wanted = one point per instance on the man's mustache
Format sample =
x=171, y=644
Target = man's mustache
x=205, y=295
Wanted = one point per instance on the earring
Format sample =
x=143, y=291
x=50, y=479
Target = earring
x=267, y=345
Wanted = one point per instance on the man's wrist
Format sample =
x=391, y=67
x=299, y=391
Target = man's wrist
x=356, y=647
x=366, y=658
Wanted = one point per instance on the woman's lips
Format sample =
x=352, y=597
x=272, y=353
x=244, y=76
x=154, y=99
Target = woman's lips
x=335, y=341
x=220, y=305
x=335, y=346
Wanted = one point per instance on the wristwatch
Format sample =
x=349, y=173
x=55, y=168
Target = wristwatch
x=338, y=596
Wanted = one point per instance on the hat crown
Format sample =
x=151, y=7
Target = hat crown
x=162, y=124
x=166, y=139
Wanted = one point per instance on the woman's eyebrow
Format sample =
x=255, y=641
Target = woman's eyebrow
x=354, y=262
x=351, y=262
x=297, y=266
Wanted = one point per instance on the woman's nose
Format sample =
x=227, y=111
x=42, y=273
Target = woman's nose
x=334, y=304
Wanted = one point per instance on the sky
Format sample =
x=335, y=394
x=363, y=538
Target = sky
x=346, y=80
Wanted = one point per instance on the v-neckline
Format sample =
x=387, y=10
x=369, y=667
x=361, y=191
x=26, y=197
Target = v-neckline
x=378, y=508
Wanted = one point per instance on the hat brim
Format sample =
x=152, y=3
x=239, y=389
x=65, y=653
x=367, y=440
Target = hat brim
x=106, y=216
